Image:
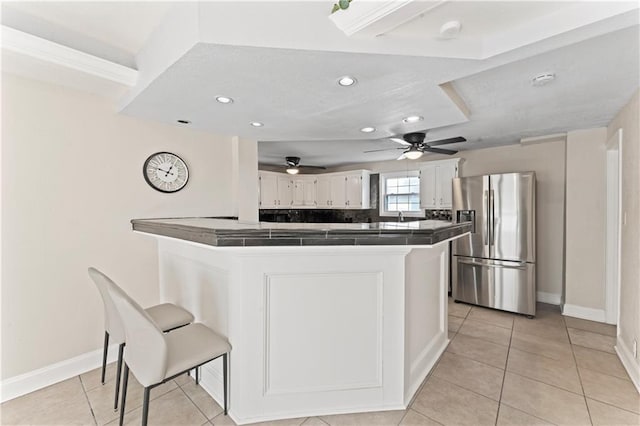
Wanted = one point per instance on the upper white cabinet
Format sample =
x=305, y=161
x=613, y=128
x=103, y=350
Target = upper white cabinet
x=435, y=184
x=343, y=190
x=357, y=190
x=275, y=190
x=304, y=191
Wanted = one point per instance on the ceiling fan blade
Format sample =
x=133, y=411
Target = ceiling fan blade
x=439, y=150
x=312, y=167
x=385, y=149
x=400, y=141
x=402, y=157
x=446, y=141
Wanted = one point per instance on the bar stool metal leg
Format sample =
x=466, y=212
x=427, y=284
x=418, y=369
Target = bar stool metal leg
x=104, y=355
x=118, y=373
x=124, y=393
x=145, y=406
x=224, y=380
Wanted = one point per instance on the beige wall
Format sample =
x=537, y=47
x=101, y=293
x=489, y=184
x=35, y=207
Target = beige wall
x=71, y=181
x=628, y=119
x=547, y=160
x=585, y=228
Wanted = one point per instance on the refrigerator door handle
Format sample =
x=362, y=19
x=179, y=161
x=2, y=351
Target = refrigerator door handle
x=492, y=217
x=485, y=218
x=495, y=264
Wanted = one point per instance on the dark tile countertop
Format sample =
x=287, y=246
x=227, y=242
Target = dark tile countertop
x=231, y=233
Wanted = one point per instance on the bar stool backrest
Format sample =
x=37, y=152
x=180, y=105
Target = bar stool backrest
x=146, y=353
x=112, y=323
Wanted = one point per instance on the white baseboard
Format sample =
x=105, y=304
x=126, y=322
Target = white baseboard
x=590, y=314
x=23, y=384
x=550, y=298
x=626, y=357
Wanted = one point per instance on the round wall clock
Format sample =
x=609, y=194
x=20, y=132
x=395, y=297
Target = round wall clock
x=165, y=172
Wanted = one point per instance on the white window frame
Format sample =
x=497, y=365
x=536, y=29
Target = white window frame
x=383, y=188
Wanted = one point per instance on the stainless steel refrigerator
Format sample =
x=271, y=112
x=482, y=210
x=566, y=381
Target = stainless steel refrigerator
x=495, y=266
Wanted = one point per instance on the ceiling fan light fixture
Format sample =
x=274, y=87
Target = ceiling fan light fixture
x=292, y=170
x=347, y=81
x=413, y=154
x=368, y=129
x=224, y=99
x=413, y=119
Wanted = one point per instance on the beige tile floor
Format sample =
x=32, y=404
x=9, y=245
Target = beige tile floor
x=499, y=369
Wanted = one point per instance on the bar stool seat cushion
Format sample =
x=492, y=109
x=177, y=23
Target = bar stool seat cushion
x=169, y=316
x=192, y=345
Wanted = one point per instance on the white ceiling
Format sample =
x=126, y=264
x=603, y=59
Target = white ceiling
x=280, y=62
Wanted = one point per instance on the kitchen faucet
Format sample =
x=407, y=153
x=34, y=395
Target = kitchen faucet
x=400, y=217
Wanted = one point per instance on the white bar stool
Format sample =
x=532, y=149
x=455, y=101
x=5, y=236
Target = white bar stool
x=155, y=357
x=167, y=317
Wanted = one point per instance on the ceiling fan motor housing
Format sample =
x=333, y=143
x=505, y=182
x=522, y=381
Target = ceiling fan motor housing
x=415, y=138
x=292, y=161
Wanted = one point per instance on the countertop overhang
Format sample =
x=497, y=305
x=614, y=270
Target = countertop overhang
x=232, y=233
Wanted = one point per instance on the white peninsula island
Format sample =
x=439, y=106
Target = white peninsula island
x=322, y=318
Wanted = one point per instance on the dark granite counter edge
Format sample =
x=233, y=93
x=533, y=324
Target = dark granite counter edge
x=302, y=237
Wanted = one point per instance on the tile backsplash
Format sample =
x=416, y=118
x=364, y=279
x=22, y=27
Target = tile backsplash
x=438, y=214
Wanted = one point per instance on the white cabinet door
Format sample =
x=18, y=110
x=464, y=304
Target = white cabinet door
x=323, y=191
x=354, y=191
x=268, y=191
x=310, y=192
x=444, y=176
x=285, y=192
x=428, y=194
x=304, y=191
x=298, y=192
x=338, y=192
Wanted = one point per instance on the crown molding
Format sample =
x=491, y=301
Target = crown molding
x=375, y=18
x=48, y=51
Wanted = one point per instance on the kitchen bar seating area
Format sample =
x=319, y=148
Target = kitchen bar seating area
x=483, y=378
x=320, y=213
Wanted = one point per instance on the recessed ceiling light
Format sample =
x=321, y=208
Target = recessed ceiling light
x=413, y=119
x=368, y=129
x=347, y=81
x=256, y=124
x=183, y=121
x=542, y=79
x=224, y=100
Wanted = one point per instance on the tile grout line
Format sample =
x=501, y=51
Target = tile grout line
x=528, y=414
x=196, y=405
x=584, y=395
x=86, y=397
x=504, y=375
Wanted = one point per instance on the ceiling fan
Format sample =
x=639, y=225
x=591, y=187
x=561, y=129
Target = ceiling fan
x=414, y=145
x=294, y=166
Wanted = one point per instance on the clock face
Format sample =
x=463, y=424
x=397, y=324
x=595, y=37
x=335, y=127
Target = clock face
x=165, y=172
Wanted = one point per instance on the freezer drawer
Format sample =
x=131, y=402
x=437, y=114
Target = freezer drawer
x=505, y=285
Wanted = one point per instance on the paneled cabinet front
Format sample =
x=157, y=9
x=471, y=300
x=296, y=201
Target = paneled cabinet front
x=344, y=190
x=435, y=184
x=304, y=191
x=275, y=190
